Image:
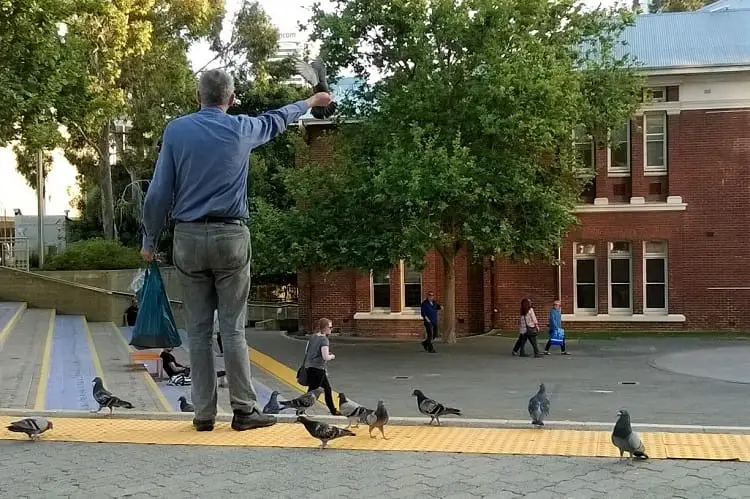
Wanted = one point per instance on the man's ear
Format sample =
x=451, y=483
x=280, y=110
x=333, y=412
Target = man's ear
x=232, y=99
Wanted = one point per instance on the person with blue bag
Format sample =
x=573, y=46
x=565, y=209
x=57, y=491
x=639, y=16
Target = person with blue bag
x=556, y=331
x=202, y=176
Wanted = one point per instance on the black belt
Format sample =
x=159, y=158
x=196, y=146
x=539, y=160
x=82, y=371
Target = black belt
x=216, y=220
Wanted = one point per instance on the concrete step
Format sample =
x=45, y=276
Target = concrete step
x=22, y=358
x=10, y=312
x=134, y=385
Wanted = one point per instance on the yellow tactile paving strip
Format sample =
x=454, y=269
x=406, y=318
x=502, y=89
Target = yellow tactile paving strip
x=706, y=446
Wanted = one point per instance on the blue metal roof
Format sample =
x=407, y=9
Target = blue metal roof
x=726, y=5
x=690, y=39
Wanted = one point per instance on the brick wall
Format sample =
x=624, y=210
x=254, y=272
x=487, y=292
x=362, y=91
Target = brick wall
x=708, y=245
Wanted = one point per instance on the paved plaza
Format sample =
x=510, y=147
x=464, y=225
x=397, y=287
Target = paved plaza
x=659, y=380
x=67, y=470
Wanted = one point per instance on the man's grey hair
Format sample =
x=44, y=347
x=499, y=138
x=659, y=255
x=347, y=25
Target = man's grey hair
x=215, y=88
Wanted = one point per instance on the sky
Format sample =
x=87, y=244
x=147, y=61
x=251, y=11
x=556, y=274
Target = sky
x=61, y=181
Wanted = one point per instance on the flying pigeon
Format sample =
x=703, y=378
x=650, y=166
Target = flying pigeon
x=272, y=407
x=323, y=431
x=315, y=74
x=105, y=398
x=432, y=408
x=353, y=411
x=303, y=402
x=539, y=406
x=378, y=419
x=625, y=439
x=186, y=406
x=33, y=426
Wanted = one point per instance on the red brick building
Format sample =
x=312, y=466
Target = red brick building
x=663, y=237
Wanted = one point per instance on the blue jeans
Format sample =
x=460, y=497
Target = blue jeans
x=213, y=264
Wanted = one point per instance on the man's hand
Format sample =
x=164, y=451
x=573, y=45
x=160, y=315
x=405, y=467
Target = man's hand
x=321, y=99
x=148, y=254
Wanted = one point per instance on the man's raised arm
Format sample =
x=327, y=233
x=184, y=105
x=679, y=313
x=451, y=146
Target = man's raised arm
x=264, y=127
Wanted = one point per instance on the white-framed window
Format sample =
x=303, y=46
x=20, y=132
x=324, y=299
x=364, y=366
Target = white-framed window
x=655, y=142
x=584, y=147
x=655, y=94
x=584, y=278
x=620, y=277
x=655, y=276
x=619, y=150
x=411, y=291
x=380, y=290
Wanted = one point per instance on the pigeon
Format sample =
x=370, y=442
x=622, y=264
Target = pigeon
x=272, y=407
x=33, y=426
x=323, y=431
x=378, y=419
x=105, y=398
x=625, y=439
x=539, y=406
x=186, y=406
x=303, y=402
x=315, y=74
x=353, y=411
x=432, y=408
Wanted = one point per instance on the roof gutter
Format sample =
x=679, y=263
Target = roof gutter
x=681, y=70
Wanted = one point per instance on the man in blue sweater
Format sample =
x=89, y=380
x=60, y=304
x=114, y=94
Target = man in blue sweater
x=201, y=175
x=429, y=312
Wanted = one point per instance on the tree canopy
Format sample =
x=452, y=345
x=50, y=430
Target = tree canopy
x=465, y=135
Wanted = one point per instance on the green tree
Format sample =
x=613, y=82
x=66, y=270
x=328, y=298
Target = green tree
x=677, y=5
x=466, y=140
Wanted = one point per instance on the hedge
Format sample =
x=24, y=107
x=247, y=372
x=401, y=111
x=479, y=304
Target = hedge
x=95, y=254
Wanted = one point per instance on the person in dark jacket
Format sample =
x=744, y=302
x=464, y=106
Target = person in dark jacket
x=429, y=312
x=131, y=313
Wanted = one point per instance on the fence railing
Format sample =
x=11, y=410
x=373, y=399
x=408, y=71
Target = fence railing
x=14, y=252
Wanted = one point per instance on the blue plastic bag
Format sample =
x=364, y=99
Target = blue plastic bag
x=557, y=337
x=155, y=326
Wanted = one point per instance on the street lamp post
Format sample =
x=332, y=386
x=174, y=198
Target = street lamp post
x=40, y=203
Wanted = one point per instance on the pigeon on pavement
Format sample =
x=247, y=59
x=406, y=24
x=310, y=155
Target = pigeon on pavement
x=323, y=431
x=432, y=408
x=303, y=402
x=625, y=439
x=105, y=398
x=186, y=406
x=315, y=74
x=539, y=406
x=378, y=419
x=33, y=426
x=272, y=407
x=354, y=412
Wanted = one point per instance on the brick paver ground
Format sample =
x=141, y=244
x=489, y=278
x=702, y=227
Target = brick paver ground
x=62, y=470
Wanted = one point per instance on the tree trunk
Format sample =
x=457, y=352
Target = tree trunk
x=105, y=185
x=448, y=317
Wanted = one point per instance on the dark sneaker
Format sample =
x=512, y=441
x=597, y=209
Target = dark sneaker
x=251, y=420
x=565, y=353
x=203, y=425
x=424, y=345
x=546, y=352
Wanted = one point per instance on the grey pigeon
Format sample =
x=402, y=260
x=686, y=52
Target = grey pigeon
x=378, y=419
x=105, y=398
x=432, y=408
x=625, y=439
x=315, y=74
x=303, y=402
x=539, y=406
x=186, y=406
x=323, y=431
x=33, y=426
x=354, y=412
x=272, y=407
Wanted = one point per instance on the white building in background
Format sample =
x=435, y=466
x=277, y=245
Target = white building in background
x=55, y=232
x=291, y=44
